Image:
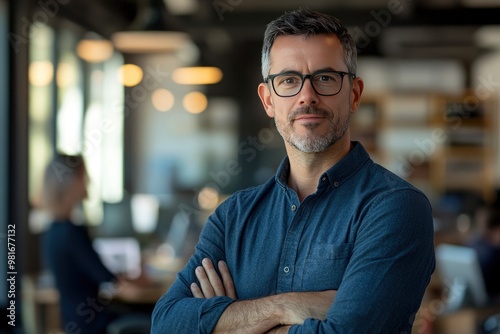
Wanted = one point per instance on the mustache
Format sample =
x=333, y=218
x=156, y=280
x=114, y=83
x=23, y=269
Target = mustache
x=308, y=110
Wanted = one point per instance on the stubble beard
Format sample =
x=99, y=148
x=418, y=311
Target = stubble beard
x=312, y=142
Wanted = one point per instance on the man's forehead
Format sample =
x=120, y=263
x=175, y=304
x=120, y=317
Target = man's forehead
x=293, y=48
x=328, y=39
x=304, y=43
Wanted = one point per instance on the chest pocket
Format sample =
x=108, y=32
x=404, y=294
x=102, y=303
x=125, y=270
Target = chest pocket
x=324, y=266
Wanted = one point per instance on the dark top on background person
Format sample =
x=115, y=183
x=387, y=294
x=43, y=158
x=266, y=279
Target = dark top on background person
x=334, y=243
x=78, y=272
x=487, y=245
x=68, y=253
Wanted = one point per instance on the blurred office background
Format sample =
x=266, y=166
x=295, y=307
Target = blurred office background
x=160, y=98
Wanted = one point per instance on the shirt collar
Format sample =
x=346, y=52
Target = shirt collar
x=338, y=173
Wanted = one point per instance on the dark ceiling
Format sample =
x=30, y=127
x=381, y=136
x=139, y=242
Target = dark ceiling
x=446, y=27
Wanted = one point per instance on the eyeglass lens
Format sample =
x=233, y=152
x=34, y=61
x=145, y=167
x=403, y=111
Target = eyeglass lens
x=328, y=83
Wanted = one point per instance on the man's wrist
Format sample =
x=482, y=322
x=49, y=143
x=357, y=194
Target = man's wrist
x=255, y=315
x=284, y=308
x=279, y=330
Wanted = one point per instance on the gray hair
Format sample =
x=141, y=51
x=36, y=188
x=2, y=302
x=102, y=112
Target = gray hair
x=307, y=23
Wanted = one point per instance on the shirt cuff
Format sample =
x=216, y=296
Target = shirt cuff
x=210, y=312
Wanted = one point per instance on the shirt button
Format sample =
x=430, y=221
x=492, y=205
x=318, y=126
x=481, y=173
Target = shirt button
x=336, y=183
x=323, y=178
x=286, y=270
x=294, y=207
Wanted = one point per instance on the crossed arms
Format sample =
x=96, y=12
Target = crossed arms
x=378, y=291
x=273, y=314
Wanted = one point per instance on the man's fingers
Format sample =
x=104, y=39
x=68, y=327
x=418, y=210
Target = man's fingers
x=196, y=291
x=227, y=280
x=206, y=286
x=210, y=283
x=213, y=277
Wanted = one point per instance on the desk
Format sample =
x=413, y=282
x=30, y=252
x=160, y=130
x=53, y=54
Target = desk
x=147, y=293
x=465, y=321
x=46, y=301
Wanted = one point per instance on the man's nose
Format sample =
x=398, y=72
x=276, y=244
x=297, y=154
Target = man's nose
x=307, y=94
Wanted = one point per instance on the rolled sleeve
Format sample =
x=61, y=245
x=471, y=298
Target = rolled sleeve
x=187, y=315
x=178, y=311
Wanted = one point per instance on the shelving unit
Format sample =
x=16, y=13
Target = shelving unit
x=366, y=122
x=439, y=142
x=465, y=160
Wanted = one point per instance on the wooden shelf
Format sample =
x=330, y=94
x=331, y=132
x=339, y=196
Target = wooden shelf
x=446, y=139
x=465, y=161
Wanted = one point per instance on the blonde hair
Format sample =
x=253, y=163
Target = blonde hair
x=60, y=176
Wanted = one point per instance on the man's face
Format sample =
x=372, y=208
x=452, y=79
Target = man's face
x=308, y=121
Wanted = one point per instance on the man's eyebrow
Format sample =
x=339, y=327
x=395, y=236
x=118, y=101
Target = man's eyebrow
x=288, y=70
x=328, y=68
x=323, y=69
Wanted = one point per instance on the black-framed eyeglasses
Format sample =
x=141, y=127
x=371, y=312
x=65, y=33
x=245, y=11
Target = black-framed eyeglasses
x=324, y=82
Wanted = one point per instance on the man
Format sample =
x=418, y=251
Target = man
x=333, y=243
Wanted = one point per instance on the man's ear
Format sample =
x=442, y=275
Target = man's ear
x=356, y=91
x=265, y=98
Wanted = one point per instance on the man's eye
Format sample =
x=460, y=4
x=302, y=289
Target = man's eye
x=326, y=78
x=289, y=81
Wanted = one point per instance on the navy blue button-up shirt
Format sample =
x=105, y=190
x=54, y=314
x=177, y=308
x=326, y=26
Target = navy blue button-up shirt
x=365, y=232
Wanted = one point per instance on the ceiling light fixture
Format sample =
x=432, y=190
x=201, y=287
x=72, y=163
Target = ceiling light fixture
x=130, y=75
x=94, y=50
x=149, y=41
x=162, y=99
x=41, y=73
x=153, y=31
x=195, y=102
x=198, y=75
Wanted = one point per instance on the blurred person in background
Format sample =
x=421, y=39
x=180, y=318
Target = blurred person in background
x=487, y=244
x=85, y=285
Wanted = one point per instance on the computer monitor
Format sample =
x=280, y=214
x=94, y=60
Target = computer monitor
x=461, y=273
x=122, y=256
x=117, y=220
x=178, y=232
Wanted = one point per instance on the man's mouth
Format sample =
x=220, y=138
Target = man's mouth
x=308, y=117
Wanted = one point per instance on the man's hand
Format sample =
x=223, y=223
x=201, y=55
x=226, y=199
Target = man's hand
x=211, y=284
x=272, y=314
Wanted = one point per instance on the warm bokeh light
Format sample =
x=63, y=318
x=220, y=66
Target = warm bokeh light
x=66, y=75
x=130, y=75
x=163, y=99
x=149, y=41
x=41, y=73
x=208, y=198
x=195, y=102
x=197, y=75
x=94, y=50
